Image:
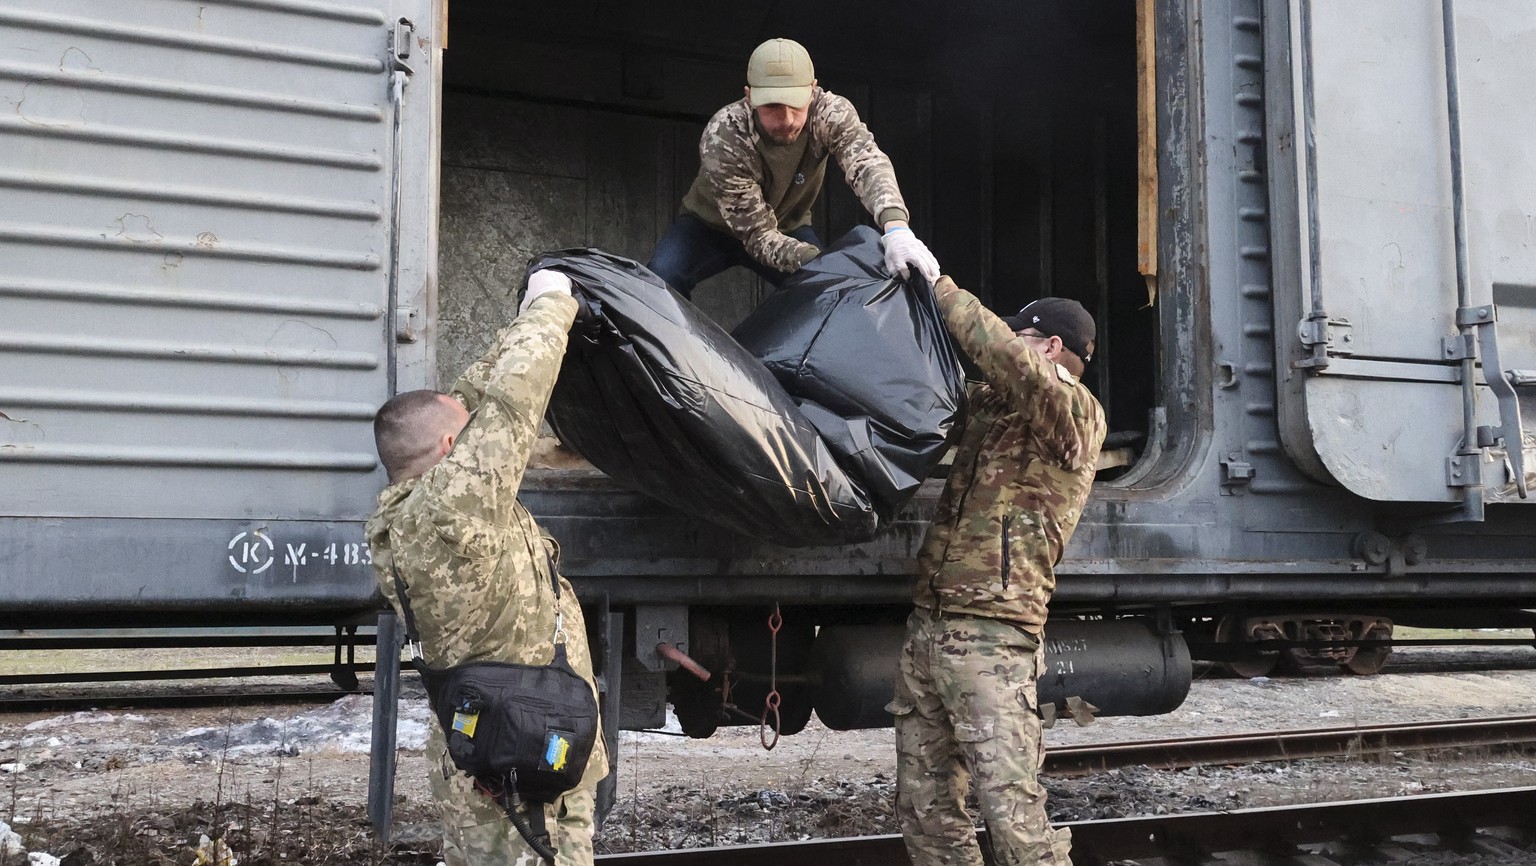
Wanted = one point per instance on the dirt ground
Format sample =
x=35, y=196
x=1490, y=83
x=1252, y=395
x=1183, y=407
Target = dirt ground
x=164, y=778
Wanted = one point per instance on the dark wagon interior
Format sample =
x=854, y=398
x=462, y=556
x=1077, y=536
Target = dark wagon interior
x=1012, y=126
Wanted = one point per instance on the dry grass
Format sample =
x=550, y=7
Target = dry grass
x=251, y=826
x=689, y=817
x=307, y=829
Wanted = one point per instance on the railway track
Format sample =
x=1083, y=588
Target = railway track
x=40, y=693
x=1079, y=760
x=1430, y=662
x=1480, y=827
x=163, y=680
x=1109, y=841
x=151, y=689
x=1463, y=655
x=1356, y=741
x=209, y=698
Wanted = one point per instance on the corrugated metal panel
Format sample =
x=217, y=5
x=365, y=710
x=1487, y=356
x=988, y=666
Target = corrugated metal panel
x=194, y=253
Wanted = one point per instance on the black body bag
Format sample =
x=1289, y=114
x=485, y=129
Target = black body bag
x=814, y=424
x=523, y=732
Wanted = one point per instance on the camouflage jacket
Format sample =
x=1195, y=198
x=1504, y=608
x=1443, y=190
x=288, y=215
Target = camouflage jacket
x=736, y=193
x=1022, y=472
x=476, y=566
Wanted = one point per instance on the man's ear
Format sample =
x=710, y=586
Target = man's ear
x=445, y=444
x=1053, y=349
x=747, y=92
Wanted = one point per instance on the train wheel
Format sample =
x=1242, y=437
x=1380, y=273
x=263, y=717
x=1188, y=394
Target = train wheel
x=1370, y=660
x=1258, y=664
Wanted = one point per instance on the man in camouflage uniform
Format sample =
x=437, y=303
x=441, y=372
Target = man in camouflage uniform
x=474, y=563
x=762, y=161
x=965, y=703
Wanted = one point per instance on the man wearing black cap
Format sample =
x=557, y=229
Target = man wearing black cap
x=762, y=162
x=1062, y=324
x=965, y=705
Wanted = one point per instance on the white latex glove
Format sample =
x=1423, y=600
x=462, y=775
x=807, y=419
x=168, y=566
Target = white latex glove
x=542, y=283
x=902, y=248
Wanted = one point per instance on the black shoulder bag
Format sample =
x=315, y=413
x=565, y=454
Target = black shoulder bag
x=523, y=732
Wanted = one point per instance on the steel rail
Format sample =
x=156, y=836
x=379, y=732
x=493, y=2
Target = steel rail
x=1325, y=643
x=1274, y=829
x=49, y=704
x=1182, y=838
x=1173, y=754
x=183, y=674
x=160, y=641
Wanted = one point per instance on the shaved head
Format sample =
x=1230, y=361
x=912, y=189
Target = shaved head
x=414, y=430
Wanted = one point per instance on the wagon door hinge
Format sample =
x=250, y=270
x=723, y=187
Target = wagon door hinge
x=1325, y=337
x=400, y=49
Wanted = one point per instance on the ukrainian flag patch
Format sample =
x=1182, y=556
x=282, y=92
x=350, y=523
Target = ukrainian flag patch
x=465, y=723
x=556, y=750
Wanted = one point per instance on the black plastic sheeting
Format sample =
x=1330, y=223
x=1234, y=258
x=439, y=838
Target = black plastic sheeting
x=815, y=428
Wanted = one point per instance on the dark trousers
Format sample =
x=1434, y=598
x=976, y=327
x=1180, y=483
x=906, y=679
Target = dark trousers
x=691, y=252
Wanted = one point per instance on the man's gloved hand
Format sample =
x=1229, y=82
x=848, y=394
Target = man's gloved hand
x=542, y=283
x=903, y=249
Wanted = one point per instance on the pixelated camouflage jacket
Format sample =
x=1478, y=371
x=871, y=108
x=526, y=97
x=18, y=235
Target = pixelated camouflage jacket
x=1023, y=469
x=734, y=193
x=475, y=564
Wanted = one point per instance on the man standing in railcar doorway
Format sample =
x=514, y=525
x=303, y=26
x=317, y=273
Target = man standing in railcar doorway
x=965, y=702
x=476, y=567
x=762, y=161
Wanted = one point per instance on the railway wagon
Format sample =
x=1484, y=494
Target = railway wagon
x=229, y=229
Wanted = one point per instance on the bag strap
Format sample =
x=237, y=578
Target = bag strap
x=558, y=638
x=413, y=637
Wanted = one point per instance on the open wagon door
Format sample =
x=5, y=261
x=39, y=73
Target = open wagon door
x=1405, y=243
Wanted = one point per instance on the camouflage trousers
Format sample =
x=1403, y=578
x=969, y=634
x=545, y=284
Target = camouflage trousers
x=476, y=832
x=965, y=711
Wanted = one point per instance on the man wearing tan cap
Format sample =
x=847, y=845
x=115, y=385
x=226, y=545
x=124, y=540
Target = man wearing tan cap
x=762, y=162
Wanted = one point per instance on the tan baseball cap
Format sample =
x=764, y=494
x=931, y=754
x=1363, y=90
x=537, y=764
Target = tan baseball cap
x=780, y=73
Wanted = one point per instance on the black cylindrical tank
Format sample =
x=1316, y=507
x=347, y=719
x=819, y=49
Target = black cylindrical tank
x=1122, y=667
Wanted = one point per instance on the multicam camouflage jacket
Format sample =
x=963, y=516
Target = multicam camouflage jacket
x=476, y=566
x=736, y=191
x=1022, y=472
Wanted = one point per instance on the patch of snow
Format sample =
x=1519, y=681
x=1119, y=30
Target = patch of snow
x=343, y=726
x=667, y=732
x=72, y=720
x=10, y=841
